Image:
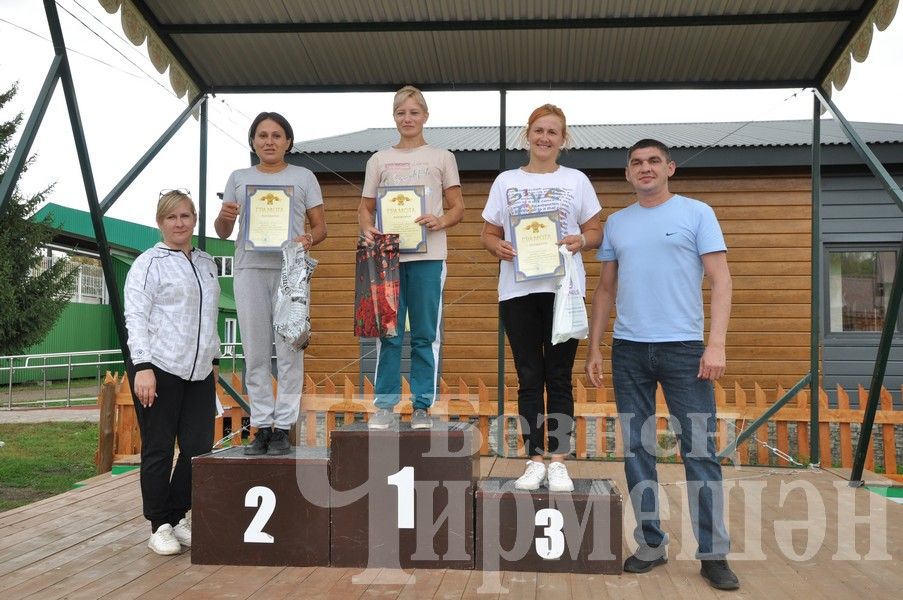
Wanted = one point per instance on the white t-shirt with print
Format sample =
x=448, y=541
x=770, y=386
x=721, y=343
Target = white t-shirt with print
x=518, y=193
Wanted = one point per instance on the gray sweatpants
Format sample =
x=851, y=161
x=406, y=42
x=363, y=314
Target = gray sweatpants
x=254, y=292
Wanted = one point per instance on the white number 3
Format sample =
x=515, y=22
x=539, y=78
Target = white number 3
x=264, y=498
x=551, y=546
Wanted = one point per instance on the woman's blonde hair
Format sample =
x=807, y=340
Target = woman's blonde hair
x=544, y=111
x=170, y=200
x=409, y=91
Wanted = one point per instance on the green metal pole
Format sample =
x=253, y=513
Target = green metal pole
x=20, y=157
x=133, y=173
x=233, y=393
x=84, y=161
x=202, y=184
x=751, y=429
x=500, y=433
x=815, y=336
x=890, y=319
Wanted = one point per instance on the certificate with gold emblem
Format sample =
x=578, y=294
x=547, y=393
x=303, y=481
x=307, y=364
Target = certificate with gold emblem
x=396, y=209
x=535, y=239
x=268, y=217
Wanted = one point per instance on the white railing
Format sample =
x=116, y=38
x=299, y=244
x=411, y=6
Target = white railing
x=108, y=359
x=88, y=285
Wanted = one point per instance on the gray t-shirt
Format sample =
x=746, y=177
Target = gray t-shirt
x=304, y=193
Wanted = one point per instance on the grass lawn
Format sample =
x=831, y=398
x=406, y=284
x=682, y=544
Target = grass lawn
x=43, y=459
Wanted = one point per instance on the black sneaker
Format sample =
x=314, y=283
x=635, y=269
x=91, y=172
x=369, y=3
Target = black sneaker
x=633, y=564
x=719, y=575
x=260, y=443
x=279, y=443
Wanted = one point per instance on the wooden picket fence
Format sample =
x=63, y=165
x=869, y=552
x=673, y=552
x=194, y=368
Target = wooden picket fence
x=326, y=405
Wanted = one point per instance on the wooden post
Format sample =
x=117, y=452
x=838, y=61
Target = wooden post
x=107, y=401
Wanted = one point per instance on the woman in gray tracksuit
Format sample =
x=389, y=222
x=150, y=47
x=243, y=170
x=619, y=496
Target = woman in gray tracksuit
x=257, y=274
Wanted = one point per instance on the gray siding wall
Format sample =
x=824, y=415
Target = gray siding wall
x=855, y=210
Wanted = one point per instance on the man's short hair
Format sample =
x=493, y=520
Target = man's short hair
x=649, y=143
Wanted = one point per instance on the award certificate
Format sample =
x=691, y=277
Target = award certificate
x=268, y=217
x=535, y=239
x=396, y=209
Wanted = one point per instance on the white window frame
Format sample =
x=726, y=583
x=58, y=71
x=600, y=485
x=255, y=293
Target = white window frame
x=224, y=265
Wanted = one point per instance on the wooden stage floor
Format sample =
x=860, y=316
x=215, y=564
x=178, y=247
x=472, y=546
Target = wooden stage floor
x=787, y=543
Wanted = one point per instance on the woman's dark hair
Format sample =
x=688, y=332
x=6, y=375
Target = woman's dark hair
x=279, y=119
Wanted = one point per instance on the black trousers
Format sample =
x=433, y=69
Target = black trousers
x=183, y=411
x=540, y=367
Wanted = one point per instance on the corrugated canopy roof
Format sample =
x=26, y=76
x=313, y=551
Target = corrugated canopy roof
x=609, y=137
x=346, y=45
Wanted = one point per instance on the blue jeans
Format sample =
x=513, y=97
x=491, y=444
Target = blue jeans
x=420, y=297
x=636, y=369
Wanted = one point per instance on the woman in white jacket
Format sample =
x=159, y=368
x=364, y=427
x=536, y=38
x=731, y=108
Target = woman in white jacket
x=171, y=304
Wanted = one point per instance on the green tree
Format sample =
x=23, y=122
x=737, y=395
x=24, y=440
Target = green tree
x=30, y=300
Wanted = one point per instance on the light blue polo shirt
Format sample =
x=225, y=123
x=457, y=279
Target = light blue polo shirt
x=658, y=251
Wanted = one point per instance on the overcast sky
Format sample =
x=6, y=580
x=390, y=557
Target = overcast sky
x=125, y=106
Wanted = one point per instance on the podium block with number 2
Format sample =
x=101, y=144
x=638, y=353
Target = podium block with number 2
x=261, y=510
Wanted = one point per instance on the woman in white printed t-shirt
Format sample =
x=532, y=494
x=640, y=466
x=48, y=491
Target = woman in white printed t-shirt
x=257, y=273
x=525, y=307
x=413, y=162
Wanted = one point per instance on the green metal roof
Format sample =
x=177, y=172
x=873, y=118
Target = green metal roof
x=125, y=236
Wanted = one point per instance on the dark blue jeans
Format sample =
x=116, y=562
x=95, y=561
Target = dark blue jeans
x=637, y=367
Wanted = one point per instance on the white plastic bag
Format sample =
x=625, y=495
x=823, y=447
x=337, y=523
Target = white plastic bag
x=291, y=311
x=569, y=315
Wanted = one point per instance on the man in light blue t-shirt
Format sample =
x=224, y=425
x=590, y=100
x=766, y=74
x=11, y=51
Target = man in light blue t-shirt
x=654, y=255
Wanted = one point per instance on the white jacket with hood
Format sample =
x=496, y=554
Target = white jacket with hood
x=171, y=309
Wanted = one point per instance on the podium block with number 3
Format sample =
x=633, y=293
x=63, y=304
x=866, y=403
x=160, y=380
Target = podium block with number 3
x=542, y=531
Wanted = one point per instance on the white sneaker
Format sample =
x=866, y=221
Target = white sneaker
x=558, y=479
x=532, y=477
x=182, y=531
x=163, y=541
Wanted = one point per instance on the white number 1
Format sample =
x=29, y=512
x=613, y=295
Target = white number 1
x=404, y=481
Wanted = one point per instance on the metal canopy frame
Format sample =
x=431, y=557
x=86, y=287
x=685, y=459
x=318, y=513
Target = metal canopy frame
x=836, y=16
x=60, y=71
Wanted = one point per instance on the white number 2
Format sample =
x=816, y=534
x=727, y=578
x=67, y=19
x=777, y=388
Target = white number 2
x=551, y=546
x=264, y=498
x=404, y=481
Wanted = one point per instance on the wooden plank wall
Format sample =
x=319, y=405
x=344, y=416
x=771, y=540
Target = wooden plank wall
x=766, y=224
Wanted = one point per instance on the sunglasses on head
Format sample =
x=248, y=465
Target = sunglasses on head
x=183, y=191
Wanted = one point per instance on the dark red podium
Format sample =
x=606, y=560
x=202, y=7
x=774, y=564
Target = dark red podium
x=542, y=531
x=260, y=510
x=403, y=497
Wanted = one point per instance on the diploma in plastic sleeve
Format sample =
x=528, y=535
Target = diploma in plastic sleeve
x=396, y=209
x=535, y=239
x=268, y=217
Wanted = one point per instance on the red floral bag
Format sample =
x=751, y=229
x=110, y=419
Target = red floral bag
x=376, y=287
